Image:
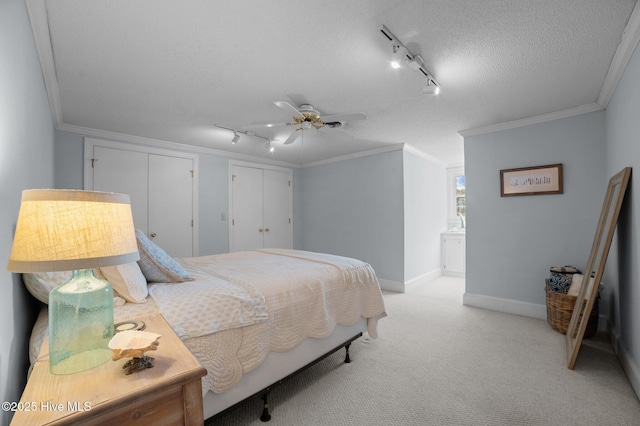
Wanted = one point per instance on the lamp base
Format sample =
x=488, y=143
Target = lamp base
x=80, y=323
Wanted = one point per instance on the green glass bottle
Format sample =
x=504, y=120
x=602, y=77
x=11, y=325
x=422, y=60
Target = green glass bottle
x=80, y=323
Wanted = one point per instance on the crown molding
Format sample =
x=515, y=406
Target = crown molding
x=415, y=151
x=536, y=119
x=626, y=48
x=628, y=44
x=37, y=12
x=157, y=143
x=388, y=148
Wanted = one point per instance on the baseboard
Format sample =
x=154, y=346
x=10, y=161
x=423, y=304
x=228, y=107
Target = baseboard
x=424, y=278
x=505, y=305
x=389, y=285
x=629, y=365
x=401, y=287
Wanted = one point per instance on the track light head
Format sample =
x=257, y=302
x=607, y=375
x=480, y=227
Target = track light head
x=236, y=138
x=398, y=55
x=268, y=146
x=430, y=88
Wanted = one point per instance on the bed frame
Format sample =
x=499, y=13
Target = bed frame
x=277, y=368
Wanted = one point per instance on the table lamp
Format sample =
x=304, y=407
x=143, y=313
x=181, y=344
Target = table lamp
x=62, y=230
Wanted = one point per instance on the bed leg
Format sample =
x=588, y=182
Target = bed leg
x=347, y=359
x=265, y=417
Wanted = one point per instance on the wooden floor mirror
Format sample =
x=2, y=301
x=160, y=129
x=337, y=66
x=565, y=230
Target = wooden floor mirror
x=595, y=265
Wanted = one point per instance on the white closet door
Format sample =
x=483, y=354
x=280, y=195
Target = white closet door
x=247, y=221
x=170, y=204
x=277, y=210
x=124, y=172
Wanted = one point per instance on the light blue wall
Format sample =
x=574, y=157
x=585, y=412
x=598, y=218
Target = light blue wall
x=26, y=162
x=354, y=208
x=512, y=241
x=69, y=157
x=425, y=215
x=623, y=266
x=213, y=199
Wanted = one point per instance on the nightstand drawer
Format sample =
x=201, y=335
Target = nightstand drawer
x=164, y=407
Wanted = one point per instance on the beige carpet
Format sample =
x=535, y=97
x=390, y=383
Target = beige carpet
x=438, y=362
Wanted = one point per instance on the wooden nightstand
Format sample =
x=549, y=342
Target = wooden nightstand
x=170, y=393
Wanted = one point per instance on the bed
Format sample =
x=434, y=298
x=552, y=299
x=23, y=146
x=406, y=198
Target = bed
x=251, y=318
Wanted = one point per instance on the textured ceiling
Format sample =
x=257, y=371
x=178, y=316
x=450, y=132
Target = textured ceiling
x=170, y=70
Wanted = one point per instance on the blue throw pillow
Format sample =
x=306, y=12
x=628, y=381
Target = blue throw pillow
x=156, y=265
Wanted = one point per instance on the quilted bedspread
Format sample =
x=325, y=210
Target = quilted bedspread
x=243, y=305
x=306, y=294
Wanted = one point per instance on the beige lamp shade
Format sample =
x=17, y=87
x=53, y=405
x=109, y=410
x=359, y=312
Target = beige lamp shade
x=61, y=230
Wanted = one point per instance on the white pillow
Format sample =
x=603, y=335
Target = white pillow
x=127, y=280
x=40, y=284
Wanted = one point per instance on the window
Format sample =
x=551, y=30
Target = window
x=461, y=204
x=457, y=205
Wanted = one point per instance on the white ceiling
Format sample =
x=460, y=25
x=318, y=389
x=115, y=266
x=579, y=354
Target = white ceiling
x=169, y=70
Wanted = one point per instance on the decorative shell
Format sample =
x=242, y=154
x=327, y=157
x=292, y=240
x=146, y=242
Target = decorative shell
x=133, y=344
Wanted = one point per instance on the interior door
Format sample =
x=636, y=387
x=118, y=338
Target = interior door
x=247, y=204
x=277, y=209
x=124, y=172
x=170, y=204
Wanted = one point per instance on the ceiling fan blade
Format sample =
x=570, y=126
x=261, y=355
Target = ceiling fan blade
x=293, y=136
x=289, y=107
x=344, y=117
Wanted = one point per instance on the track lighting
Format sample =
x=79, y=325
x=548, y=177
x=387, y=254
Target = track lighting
x=236, y=134
x=267, y=145
x=430, y=88
x=401, y=55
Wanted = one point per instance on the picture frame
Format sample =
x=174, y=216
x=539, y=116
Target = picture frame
x=595, y=265
x=534, y=180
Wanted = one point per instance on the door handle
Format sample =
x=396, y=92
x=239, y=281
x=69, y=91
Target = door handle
x=260, y=230
x=266, y=230
x=153, y=235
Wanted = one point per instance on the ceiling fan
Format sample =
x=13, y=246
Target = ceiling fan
x=306, y=117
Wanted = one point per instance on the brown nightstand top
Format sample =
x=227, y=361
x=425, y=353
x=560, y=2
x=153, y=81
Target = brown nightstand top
x=99, y=394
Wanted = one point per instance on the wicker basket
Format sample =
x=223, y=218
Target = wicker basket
x=560, y=307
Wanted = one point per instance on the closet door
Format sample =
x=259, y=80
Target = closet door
x=247, y=204
x=124, y=172
x=161, y=192
x=277, y=207
x=170, y=204
x=261, y=208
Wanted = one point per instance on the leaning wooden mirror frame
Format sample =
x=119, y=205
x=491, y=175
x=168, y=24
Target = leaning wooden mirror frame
x=596, y=263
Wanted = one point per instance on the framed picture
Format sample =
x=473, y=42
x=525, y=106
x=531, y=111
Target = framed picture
x=531, y=180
